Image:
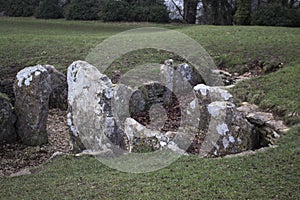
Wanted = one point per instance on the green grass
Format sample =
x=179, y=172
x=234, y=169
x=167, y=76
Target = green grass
x=236, y=47
x=277, y=92
x=273, y=174
x=27, y=41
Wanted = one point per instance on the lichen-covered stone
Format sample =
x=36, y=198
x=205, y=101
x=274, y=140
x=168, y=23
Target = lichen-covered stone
x=7, y=121
x=90, y=116
x=142, y=139
x=227, y=130
x=32, y=90
x=267, y=127
x=189, y=74
x=59, y=95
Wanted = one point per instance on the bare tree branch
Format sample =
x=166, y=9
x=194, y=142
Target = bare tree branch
x=179, y=10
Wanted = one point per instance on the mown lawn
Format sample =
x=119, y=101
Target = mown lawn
x=273, y=174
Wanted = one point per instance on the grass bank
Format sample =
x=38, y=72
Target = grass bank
x=273, y=174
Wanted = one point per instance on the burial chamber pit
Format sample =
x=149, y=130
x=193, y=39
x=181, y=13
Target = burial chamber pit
x=117, y=118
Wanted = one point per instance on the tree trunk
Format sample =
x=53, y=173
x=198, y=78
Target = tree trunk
x=190, y=11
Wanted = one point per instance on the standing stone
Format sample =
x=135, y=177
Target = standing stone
x=92, y=125
x=227, y=130
x=7, y=119
x=189, y=74
x=59, y=95
x=32, y=90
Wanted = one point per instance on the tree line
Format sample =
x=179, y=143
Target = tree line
x=242, y=12
x=216, y=12
x=107, y=10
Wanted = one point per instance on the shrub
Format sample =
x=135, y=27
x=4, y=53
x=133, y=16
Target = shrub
x=20, y=8
x=158, y=13
x=82, y=10
x=114, y=11
x=243, y=12
x=276, y=15
x=49, y=9
x=124, y=11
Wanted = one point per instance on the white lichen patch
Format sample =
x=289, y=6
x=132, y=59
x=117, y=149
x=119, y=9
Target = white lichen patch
x=225, y=94
x=225, y=143
x=231, y=139
x=193, y=104
x=71, y=125
x=109, y=93
x=222, y=129
x=202, y=88
x=215, y=108
x=26, y=75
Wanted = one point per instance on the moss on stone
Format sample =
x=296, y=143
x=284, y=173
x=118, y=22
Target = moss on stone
x=3, y=95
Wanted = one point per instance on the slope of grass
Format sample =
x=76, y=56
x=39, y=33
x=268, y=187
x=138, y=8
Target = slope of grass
x=277, y=92
x=273, y=174
x=27, y=41
x=237, y=47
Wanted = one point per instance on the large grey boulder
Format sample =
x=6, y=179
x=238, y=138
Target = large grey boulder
x=32, y=90
x=7, y=119
x=90, y=118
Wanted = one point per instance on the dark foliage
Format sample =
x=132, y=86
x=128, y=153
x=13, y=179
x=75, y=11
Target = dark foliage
x=139, y=11
x=82, y=10
x=20, y=8
x=49, y=9
x=243, y=12
x=276, y=15
x=114, y=11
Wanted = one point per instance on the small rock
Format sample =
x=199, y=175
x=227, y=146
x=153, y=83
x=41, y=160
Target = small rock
x=260, y=118
x=247, y=108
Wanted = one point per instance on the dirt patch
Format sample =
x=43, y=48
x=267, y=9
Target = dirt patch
x=16, y=158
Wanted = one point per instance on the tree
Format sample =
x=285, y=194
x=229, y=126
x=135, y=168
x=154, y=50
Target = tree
x=134, y=10
x=83, y=9
x=217, y=12
x=49, y=9
x=276, y=14
x=190, y=11
x=243, y=12
x=115, y=11
x=20, y=8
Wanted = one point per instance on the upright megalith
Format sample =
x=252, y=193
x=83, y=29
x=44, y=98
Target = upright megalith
x=32, y=90
x=7, y=121
x=227, y=130
x=59, y=94
x=90, y=117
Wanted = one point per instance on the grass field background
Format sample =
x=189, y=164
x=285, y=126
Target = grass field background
x=273, y=174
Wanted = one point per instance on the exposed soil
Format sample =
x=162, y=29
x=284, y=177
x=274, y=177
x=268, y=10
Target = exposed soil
x=17, y=157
